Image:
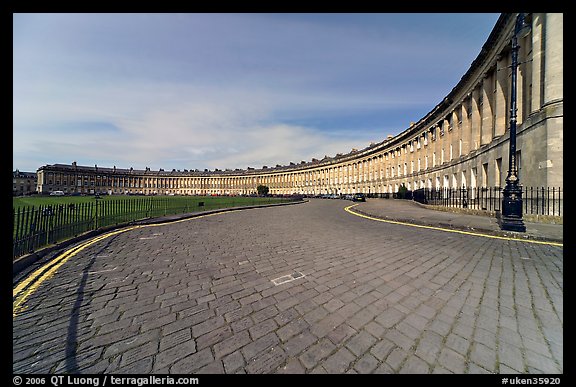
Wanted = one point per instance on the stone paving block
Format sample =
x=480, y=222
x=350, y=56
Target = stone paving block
x=375, y=329
x=542, y=363
x=384, y=369
x=264, y=313
x=160, y=322
x=233, y=362
x=382, y=349
x=291, y=329
x=452, y=361
x=266, y=362
x=175, y=338
x=476, y=369
x=138, y=353
x=299, y=343
x=213, y=368
x=256, y=347
x=400, y=339
x=429, y=346
x=360, y=319
x=366, y=364
x=396, y=358
x=193, y=309
x=414, y=365
x=315, y=314
x=293, y=366
x=483, y=356
x=262, y=328
x=190, y=364
x=207, y=326
x=511, y=356
x=390, y=317
x=339, y=361
x=286, y=316
x=536, y=344
x=317, y=352
x=143, y=366
x=171, y=355
x=360, y=343
x=231, y=344
x=213, y=337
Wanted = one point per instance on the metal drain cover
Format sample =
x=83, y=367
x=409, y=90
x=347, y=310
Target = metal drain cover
x=287, y=278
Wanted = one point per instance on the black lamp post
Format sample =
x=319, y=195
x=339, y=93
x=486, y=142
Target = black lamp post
x=512, y=193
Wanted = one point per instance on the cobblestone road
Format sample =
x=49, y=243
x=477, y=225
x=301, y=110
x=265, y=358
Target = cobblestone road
x=361, y=297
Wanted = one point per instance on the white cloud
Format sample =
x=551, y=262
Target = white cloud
x=215, y=91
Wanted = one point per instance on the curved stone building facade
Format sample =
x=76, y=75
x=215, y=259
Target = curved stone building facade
x=462, y=142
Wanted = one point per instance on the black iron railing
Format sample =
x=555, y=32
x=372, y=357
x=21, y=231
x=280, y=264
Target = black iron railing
x=536, y=200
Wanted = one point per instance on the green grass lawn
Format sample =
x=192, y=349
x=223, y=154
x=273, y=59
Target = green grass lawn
x=210, y=201
x=41, y=220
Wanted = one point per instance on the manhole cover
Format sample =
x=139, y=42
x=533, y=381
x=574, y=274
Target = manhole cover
x=287, y=278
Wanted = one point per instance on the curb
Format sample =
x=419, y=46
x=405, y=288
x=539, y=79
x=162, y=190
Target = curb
x=511, y=235
x=25, y=261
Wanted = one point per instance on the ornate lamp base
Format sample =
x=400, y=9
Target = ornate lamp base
x=512, y=210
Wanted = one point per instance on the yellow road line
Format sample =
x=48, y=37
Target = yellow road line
x=28, y=286
x=348, y=209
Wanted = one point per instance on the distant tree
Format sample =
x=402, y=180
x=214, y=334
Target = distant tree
x=402, y=192
x=262, y=190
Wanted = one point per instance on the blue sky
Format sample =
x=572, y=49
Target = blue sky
x=191, y=91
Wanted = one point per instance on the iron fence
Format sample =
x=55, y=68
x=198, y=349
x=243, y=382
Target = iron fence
x=535, y=200
x=38, y=226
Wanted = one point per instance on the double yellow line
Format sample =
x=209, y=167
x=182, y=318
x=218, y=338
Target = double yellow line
x=348, y=209
x=29, y=285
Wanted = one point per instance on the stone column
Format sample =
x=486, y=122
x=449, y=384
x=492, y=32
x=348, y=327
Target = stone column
x=502, y=95
x=553, y=58
x=475, y=119
x=538, y=20
x=487, y=114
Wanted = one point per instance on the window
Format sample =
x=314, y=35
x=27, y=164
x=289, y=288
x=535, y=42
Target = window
x=498, y=172
x=485, y=175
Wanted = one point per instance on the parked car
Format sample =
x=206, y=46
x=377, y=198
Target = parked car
x=359, y=197
x=57, y=193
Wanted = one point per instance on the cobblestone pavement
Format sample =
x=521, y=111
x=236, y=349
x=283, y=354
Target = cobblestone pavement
x=360, y=297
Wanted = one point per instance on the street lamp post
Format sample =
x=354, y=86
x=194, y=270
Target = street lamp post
x=512, y=193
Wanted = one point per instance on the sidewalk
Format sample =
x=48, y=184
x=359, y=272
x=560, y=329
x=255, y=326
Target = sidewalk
x=412, y=212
